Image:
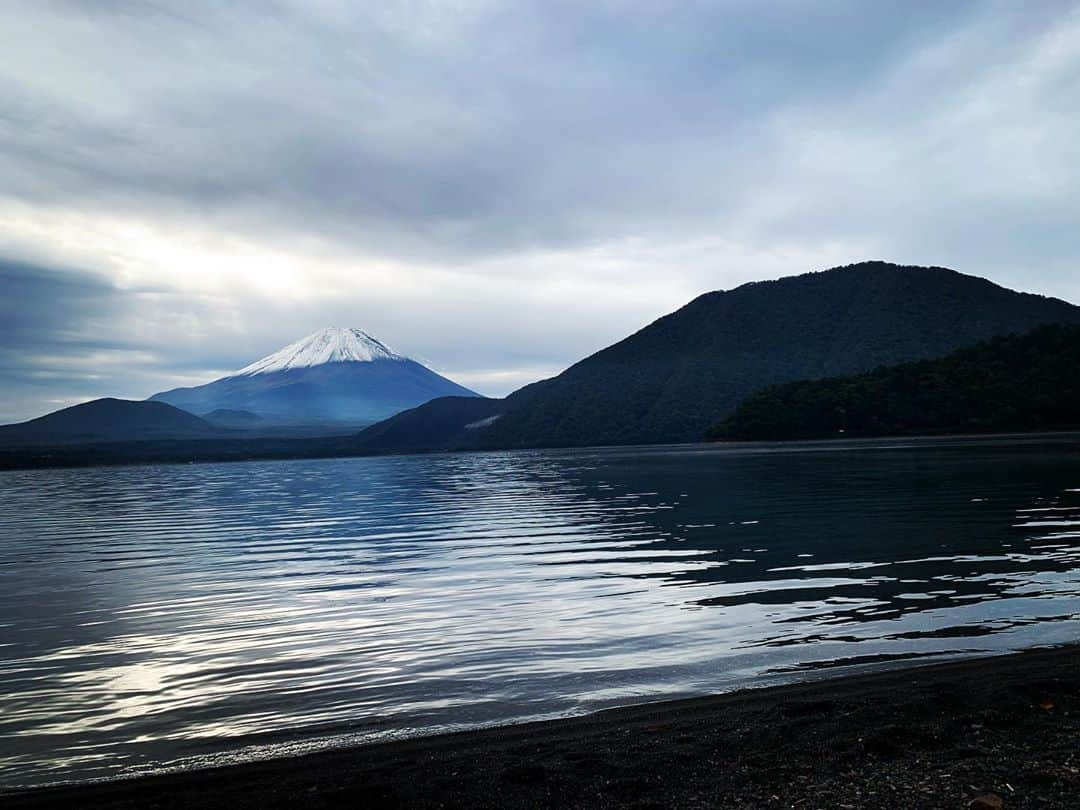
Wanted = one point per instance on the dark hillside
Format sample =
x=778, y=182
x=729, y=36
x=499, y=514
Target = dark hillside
x=109, y=420
x=670, y=381
x=446, y=423
x=674, y=379
x=1016, y=383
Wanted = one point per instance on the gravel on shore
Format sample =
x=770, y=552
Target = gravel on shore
x=990, y=732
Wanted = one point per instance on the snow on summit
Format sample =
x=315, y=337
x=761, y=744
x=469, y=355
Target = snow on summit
x=334, y=376
x=331, y=345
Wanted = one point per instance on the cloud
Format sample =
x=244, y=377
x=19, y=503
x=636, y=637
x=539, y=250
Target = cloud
x=502, y=188
x=49, y=318
x=432, y=129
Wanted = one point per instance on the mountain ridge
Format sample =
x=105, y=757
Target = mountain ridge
x=109, y=419
x=674, y=378
x=335, y=376
x=669, y=381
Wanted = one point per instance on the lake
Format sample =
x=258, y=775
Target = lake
x=175, y=616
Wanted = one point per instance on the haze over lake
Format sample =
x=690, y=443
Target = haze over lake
x=186, y=614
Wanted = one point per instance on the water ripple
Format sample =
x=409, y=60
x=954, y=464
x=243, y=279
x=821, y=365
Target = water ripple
x=169, y=616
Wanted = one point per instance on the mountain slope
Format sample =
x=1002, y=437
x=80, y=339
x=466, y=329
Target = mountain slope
x=678, y=376
x=238, y=420
x=442, y=424
x=675, y=378
x=1015, y=383
x=334, y=375
x=109, y=420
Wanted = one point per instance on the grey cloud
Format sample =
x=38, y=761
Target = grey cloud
x=481, y=131
x=44, y=308
x=49, y=318
x=469, y=135
x=67, y=336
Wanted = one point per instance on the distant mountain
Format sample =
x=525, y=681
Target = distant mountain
x=332, y=376
x=109, y=420
x=685, y=372
x=1016, y=383
x=224, y=417
x=443, y=424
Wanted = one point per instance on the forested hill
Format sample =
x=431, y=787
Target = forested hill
x=109, y=420
x=1024, y=382
x=673, y=379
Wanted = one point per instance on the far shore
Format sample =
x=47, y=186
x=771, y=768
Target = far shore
x=998, y=731
x=209, y=451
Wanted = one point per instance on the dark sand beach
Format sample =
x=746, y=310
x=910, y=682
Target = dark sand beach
x=1001, y=731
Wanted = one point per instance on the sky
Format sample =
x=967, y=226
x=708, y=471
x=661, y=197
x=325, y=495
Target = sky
x=498, y=189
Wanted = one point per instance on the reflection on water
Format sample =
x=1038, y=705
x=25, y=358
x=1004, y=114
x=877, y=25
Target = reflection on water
x=201, y=613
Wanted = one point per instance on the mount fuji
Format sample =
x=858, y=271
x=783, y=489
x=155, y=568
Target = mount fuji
x=335, y=375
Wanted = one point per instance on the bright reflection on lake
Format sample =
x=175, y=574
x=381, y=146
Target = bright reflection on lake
x=155, y=616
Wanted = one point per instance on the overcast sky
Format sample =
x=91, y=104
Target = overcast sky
x=498, y=189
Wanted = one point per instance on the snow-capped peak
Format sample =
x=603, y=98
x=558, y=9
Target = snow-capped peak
x=331, y=345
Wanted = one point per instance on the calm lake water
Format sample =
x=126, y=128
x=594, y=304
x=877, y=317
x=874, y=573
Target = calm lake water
x=166, y=616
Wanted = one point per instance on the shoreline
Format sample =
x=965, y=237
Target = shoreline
x=238, y=450
x=928, y=736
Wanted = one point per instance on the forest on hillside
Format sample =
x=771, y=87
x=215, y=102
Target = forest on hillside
x=1026, y=382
